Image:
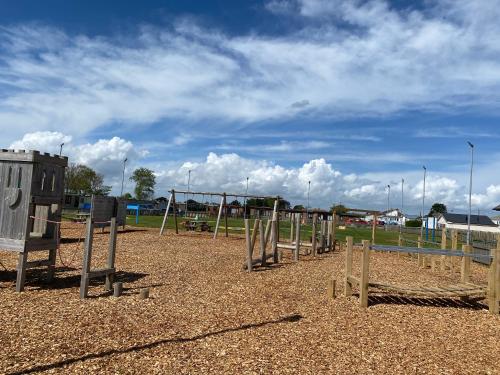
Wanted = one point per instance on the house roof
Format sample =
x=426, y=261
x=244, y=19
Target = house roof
x=474, y=219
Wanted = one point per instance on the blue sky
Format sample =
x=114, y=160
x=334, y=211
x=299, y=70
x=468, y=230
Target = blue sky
x=351, y=96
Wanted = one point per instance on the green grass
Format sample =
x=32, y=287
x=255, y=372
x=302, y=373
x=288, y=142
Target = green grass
x=382, y=237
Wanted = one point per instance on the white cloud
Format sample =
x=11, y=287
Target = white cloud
x=228, y=172
x=44, y=141
x=105, y=156
x=445, y=58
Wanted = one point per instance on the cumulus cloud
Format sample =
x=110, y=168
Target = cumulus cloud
x=228, y=172
x=105, y=155
x=389, y=60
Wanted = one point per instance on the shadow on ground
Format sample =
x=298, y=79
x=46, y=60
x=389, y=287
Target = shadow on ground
x=470, y=303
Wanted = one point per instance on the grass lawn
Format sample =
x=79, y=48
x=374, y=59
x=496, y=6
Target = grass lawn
x=235, y=226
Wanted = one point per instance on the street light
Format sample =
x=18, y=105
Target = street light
x=60, y=148
x=470, y=190
x=423, y=204
x=402, y=203
x=123, y=176
x=388, y=198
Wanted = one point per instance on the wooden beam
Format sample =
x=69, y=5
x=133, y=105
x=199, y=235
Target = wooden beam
x=313, y=239
x=348, y=266
x=249, y=245
x=175, y=212
x=466, y=261
x=218, y=217
x=297, y=238
x=225, y=215
x=365, y=264
x=164, y=223
x=494, y=280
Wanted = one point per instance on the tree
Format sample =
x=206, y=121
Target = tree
x=340, y=209
x=235, y=203
x=299, y=207
x=438, y=209
x=127, y=196
x=81, y=179
x=145, y=182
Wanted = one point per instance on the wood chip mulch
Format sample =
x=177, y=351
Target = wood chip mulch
x=206, y=315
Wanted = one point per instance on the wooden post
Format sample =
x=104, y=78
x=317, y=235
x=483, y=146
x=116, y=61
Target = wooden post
x=454, y=246
x=249, y=245
x=334, y=220
x=348, y=267
x=225, y=215
x=420, y=257
x=322, y=237
x=22, y=259
x=313, y=239
x=292, y=222
x=218, y=217
x=274, y=241
x=443, y=247
x=144, y=293
x=365, y=263
x=466, y=260
x=164, y=223
x=268, y=231
x=494, y=280
x=374, y=228
x=331, y=289
x=111, y=254
x=175, y=212
x=297, y=239
x=255, y=230
x=262, y=240
x=329, y=235
x=117, y=289
x=87, y=256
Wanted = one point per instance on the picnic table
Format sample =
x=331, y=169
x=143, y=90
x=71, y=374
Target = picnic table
x=194, y=225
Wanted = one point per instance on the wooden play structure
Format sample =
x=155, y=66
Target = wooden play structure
x=319, y=244
x=222, y=211
x=109, y=271
x=464, y=289
x=31, y=199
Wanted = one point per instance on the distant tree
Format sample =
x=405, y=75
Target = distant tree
x=235, y=203
x=145, y=182
x=81, y=179
x=127, y=196
x=417, y=223
x=340, y=209
x=299, y=207
x=438, y=209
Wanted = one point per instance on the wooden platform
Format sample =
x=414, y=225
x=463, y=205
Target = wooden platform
x=447, y=291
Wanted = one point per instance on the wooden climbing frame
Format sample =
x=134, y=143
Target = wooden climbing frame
x=464, y=289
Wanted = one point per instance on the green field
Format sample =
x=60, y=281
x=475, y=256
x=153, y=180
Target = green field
x=364, y=233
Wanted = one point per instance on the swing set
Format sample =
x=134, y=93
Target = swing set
x=223, y=209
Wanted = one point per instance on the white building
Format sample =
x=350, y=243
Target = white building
x=478, y=223
x=392, y=216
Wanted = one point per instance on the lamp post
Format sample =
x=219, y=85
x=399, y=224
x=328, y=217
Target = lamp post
x=245, y=203
x=423, y=204
x=60, y=148
x=402, y=203
x=388, y=198
x=123, y=176
x=470, y=190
